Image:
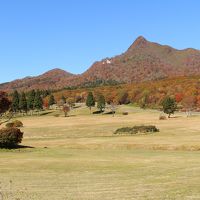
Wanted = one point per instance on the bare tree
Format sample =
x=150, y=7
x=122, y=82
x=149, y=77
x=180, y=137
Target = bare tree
x=66, y=110
x=188, y=103
x=113, y=107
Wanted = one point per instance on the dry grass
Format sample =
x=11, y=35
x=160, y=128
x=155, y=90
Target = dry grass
x=84, y=160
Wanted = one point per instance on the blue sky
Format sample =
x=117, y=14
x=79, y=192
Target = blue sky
x=38, y=35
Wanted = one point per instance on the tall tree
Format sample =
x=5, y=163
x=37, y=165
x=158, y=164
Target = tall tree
x=38, y=103
x=15, y=101
x=23, y=102
x=30, y=100
x=4, y=105
x=101, y=103
x=51, y=100
x=169, y=106
x=90, y=101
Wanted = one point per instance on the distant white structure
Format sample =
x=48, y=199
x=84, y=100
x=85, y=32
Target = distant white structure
x=107, y=61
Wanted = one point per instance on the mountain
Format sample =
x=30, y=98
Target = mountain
x=51, y=79
x=143, y=61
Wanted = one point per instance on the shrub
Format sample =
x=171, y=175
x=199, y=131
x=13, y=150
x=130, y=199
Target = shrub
x=10, y=125
x=137, y=129
x=10, y=137
x=146, y=129
x=162, y=117
x=14, y=124
x=56, y=115
x=125, y=113
x=18, y=123
x=129, y=130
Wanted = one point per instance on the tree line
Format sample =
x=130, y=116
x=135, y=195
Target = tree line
x=24, y=102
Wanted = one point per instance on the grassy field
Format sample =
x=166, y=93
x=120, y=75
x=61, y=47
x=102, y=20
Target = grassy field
x=79, y=158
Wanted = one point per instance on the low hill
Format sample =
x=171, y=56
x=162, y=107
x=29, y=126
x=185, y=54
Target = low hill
x=52, y=79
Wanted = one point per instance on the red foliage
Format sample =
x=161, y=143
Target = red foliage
x=179, y=97
x=4, y=102
x=143, y=61
x=45, y=103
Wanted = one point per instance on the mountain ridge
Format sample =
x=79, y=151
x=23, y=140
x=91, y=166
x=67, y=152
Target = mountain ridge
x=143, y=61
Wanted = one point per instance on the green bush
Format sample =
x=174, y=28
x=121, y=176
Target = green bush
x=146, y=129
x=129, y=130
x=14, y=124
x=10, y=137
x=137, y=129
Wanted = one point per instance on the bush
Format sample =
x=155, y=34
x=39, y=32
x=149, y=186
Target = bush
x=146, y=129
x=56, y=115
x=10, y=137
x=125, y=113
x=129, y=130
x=14, y=124
x=18, y=123
x=10, y=125
x=162, y=118
x=137, y=129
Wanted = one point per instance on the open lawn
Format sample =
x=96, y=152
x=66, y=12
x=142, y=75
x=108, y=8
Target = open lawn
x=79, y=158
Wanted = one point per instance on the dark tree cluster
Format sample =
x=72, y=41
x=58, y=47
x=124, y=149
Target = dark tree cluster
x=22, y=102
x=4, y=102
x=9, y=137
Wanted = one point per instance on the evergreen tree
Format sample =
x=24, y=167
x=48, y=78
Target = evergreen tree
x=38, y=103
x=30, y=100
x=90, y=102
x=51, y=100
x=15, y=101
x=101, y=103
x=169, y=106
x=23, y=102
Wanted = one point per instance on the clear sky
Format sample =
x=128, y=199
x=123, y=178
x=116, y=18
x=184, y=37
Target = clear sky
x=38, y=35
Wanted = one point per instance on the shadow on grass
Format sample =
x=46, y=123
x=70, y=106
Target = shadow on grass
x=46, y=113
x=17, y=147
x=70, y=116
x=97, y=112
x=174, y=117
x=109, y=113
x=76, y=106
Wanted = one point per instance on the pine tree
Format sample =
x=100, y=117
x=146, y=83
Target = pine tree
x=15, y=101
x=51, y=100
x=38, y=103
x=169, y=106
x=90, y=102
x=101, y=103
x=23, y=102
x=30, y=100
